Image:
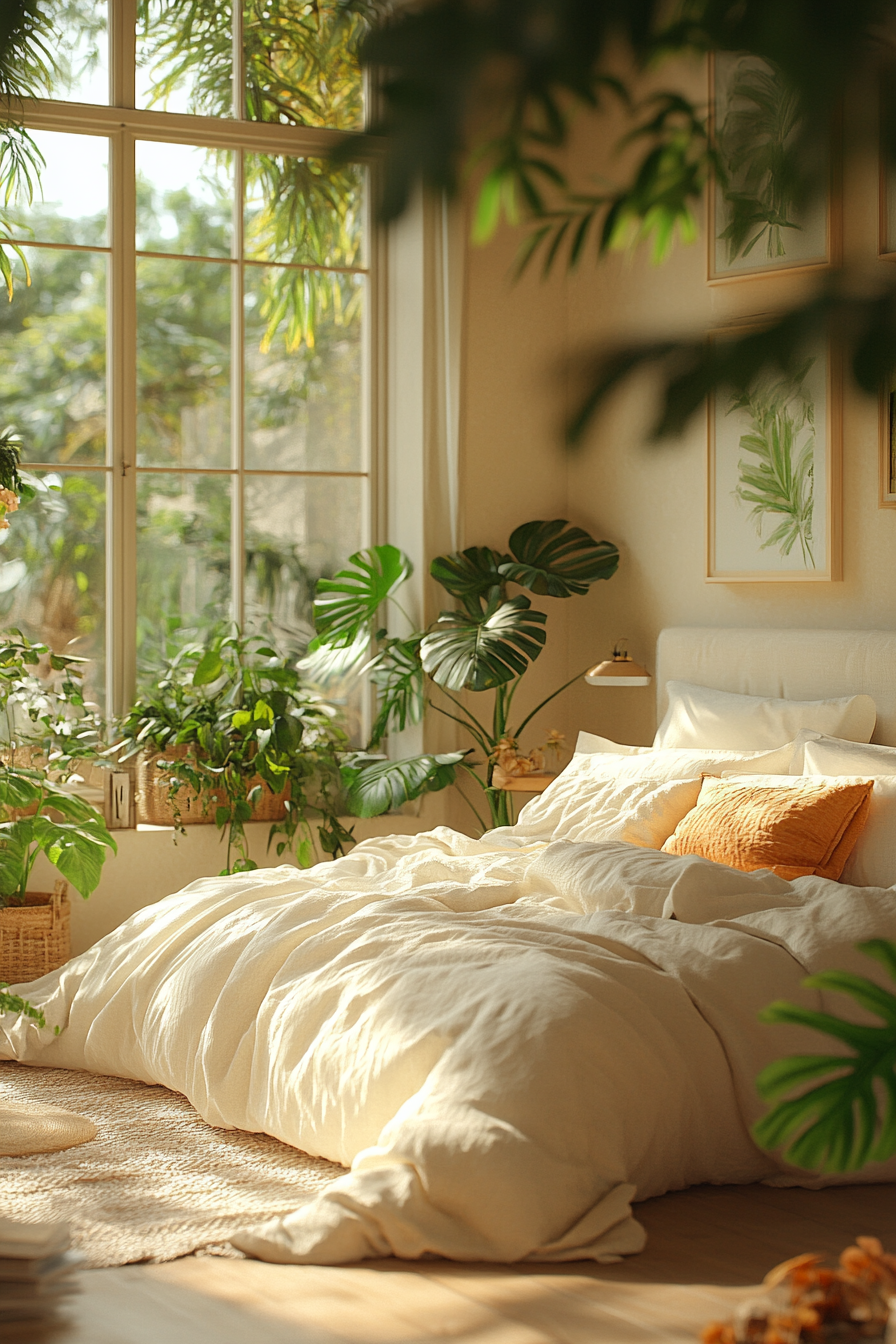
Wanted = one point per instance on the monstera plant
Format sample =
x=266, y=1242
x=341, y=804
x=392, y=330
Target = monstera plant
x=486, y=642
x=844, y=1112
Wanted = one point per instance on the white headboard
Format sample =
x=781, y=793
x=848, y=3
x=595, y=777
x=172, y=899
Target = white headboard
x=793, y=664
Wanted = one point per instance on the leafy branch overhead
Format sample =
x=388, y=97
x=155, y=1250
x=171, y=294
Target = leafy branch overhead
x=519, y=74
x=486, y=643
x=849, y=1118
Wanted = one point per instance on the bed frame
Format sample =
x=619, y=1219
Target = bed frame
x=793, y=664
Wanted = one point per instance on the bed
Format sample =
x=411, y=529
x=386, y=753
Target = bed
x=506, y=1041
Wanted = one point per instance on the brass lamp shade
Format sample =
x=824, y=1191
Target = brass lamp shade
x=620, y=670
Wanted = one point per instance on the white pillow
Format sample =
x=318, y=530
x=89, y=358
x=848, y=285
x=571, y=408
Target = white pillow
x=818, y=755
x=700, y=717
x=589, y=744
x=872, y=862
x=599, y=793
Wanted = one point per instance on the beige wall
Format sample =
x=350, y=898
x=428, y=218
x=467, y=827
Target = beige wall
x=649, y=499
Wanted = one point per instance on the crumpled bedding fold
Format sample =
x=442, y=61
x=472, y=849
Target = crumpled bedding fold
x=505, y=1046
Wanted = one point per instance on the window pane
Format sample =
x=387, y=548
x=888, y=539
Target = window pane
x=183, y=363
x=184, y=199
x=70, y=191
x=80, y=43
x=53, y=568
x=303, y=400
x=185, y=57
x=53, y=356
x=183, y=560
x=303, y=210
x=300, y=63
x=298, y=529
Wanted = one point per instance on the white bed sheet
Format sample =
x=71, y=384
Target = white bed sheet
x=505, y=1046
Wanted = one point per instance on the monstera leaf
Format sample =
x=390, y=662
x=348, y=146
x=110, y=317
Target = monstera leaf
x=382, y=785
x=398, y=677
x=469, y=574
x=557, y=560
x=348, y=603
x=479, y=652
x=850, y=1118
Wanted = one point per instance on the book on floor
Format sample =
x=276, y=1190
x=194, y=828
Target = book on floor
x=36, y=1270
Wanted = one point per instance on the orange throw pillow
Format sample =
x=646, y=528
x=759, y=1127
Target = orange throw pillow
x=796, y=830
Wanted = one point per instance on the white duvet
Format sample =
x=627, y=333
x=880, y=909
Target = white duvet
x=506, y=1044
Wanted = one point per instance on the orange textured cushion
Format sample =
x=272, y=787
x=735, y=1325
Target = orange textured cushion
x=808, y=828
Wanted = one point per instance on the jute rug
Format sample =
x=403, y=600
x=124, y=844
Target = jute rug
x=156, y=1182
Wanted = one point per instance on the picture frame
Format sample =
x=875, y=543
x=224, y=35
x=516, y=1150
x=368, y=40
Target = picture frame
x=887, y=444
x=774, y=478
x=814, y=240
x=886, y=247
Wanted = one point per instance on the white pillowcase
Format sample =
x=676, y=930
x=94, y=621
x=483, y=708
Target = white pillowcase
x=590, y=744
x=818, y=755
x=603, y=796
x=873, y=861
x=699, y=717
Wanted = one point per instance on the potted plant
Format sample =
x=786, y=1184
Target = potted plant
x=234, y=734
x=487, y=642
x=39, y=816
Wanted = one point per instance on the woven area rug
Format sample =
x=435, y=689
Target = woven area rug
x=156, y=1182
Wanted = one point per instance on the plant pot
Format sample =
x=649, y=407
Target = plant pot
x=154, y=807
x=151, y=796
x=35, y=938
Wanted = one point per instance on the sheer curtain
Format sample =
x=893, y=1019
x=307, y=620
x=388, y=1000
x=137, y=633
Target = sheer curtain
x=422, y=506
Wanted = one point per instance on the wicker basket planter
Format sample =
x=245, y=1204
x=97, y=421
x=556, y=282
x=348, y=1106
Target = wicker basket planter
x=35, y=938
x=154, y=808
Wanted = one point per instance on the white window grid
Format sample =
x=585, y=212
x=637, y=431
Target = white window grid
x=123, y=124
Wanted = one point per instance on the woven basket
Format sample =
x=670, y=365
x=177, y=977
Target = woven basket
x=35, y=938
x=154, y=808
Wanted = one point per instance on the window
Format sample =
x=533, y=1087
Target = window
x=189, y=368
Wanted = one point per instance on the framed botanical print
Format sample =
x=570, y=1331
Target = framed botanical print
x=774, y=498
x=887, y=245
x=755, y=224
x=887, y=170
x=888, y=443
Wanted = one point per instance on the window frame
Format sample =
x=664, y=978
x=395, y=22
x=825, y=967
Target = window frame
x=122, y=125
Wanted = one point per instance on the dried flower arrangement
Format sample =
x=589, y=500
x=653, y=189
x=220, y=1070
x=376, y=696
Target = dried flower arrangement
x=807, y=1302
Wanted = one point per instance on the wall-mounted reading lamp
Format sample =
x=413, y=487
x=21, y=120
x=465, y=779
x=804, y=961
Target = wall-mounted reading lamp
x=620, y=670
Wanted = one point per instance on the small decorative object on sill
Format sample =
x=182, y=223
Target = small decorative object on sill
x=35, y=938
x=620, y=670
x=807, y=1302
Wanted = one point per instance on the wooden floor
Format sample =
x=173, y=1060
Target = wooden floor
x=707, y=1248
